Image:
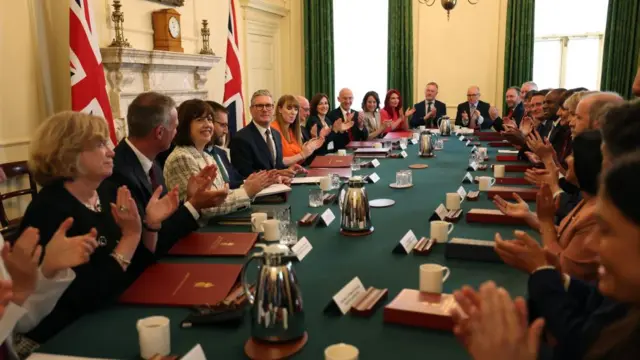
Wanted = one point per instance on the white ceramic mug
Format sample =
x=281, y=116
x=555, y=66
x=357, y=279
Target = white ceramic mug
x=485, y=183
x=256, y=221
x=432, y=276
x=341, y=352
x=453, y=201
x=325, y=183
x=342, y=152
x=422, y=128
x=498, y=171
x=271, y=230
x=483, y=152
x=154, y=336
x=440, y=230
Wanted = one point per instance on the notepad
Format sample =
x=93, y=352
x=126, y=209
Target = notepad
x=274, y=189
x=306, y=180
x=512, y=152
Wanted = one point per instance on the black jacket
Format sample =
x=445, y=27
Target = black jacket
x=482, y=107
x=235, y=179
x=250, y=152
x=421, y=111
x=518, y=114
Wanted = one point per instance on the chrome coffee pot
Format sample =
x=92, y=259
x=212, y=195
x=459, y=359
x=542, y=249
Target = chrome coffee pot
x=427, y=143
x=277, y=314
x=354, y=206
x=446, y=126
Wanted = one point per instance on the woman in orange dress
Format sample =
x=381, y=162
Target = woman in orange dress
x=393, y=111
x=287, y=122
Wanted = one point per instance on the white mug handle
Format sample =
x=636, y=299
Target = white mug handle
x=447, y=272
x=493, y=182
x=253, y=223
x=450, y=228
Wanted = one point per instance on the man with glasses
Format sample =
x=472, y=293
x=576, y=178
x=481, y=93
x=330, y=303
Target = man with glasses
x=474, y=113
x=305, y=111
x=258, y=146
x=216, y=149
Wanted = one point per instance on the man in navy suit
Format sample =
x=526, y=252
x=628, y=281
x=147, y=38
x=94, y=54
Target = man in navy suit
x=430, y=110
x=357, y=132
x=220, y=132
x=515, y=110
x=474, y=113
x=258, y=146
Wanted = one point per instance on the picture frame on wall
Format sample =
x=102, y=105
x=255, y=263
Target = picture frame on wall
x=170, y=2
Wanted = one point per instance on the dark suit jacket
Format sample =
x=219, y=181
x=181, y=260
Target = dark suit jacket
x=336, y=138
x=250, y=153
x=545, y=128
x=574, y=317
x=235, y=179
x=558, y=137
x=354, y=133
x=421, y=111
x=128, y=171
x=483, y=107
x=518, y=114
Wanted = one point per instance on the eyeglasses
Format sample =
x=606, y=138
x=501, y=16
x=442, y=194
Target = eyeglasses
x=263, y=106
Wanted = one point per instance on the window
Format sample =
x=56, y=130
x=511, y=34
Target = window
x=360, y=47
x=569, y=39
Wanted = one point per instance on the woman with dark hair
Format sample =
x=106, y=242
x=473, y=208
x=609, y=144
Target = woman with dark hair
x=392, y=110
x=370, y=107
x=319, y=125
x=582, y=320
x=194, y=134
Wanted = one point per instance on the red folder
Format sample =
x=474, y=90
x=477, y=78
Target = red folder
x=492, y=216
x=215, y=244
x=500, y=144
x=396, y=135
x=486, y=133
x=506, y=192
x=362, y=144
x=483, y=137
x=182, y=284
x=507, y=157
x=512, y=181
x=342, y=172
x=332, y=161
x=414, y=308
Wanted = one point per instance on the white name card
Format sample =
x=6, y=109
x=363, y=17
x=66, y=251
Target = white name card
x=348, y=295
x=403, y=147
x=462, y=192
x=195, y=354
x=468, y=143
x=375, y=163
x=474, y=149
x=413, y=141
x=327, y=217
x=473, y=166
x=441, y=211
x=330, y=145
x=302, y=248
x=409, y=241
x=467, y=178
x=461, y=138
x=404, y=154
x=374, y=178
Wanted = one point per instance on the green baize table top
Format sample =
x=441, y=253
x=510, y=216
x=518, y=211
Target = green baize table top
x=333, y=262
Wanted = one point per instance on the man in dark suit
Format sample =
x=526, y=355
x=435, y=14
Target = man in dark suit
x=258, y=146
x=152, y=120
x=430, y=110
x=515, y=110
x=220, y=132
x=344, y=113
x=474, y=113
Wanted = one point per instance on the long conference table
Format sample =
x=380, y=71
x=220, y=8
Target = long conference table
x=333, y=262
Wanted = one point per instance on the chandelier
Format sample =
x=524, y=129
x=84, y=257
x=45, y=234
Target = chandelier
x=446, y=4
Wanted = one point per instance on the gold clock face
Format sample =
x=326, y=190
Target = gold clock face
x=174, y=27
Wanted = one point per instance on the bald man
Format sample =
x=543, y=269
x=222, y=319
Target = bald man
x=474, y=113
x=591, y=109
x=305, y=110
x=358, y=132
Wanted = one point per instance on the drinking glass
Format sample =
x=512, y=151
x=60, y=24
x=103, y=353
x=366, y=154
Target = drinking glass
x=400, y=178
x=473, y=159
x=403, y=142
x=289, y=234
x=315, y=198
x=408, y=177
x=355, y=165
x=439, y=145
x=335, y=181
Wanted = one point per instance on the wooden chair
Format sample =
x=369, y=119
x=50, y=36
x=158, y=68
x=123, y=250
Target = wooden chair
x=9, y=227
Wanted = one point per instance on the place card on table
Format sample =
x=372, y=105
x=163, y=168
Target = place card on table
x=403, y=147
x=461, y=138
x=375, y=163
x=467, y=179
x=474, y=149
x=344, y=299
x=373, y=178
x=302, y=248
x=440, y=213
x=413, y=141
x=407, y=243
x=473, y=166
x=326, y=218
x=403, y=154
x=462, y=192
x=467, y=143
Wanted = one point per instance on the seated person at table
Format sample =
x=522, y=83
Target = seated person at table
x=575, y=240
x=320, y=126
x=370, y=107
x=515, y=111
x=287, y=122
x=215, y=149
x=152, y=119
x=352, y=119
x=70, y=159
x=305, y=111
x=473, y=113
x=430, y=110
x=29, y=291
x=584, y=320
x=194, y=133
x=620, y=131
x=257, y=146
x=392, y=110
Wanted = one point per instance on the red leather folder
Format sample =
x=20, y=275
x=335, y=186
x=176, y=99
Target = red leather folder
x=332, y=161
x=342, y=172
x=512, y=181
x=397, y=135
x=215, y=244
x=492, y=216
x=500, y=144
x=506, y=192
x=507, y=157
x=483, y=137
x=182, y=284
x=414, y=308
x=486, y=133
x=362, y=144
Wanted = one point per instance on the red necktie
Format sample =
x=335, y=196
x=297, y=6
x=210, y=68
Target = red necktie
x=154, y=182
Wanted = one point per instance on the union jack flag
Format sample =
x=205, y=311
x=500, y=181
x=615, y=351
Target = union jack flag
x=233, y=100
x=88, y=86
